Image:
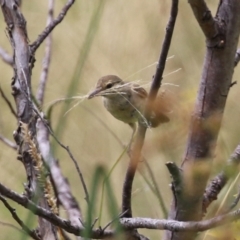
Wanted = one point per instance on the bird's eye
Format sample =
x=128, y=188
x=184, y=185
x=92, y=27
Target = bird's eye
x=109, y=85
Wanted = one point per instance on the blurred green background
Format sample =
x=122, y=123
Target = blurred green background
x=113, y=37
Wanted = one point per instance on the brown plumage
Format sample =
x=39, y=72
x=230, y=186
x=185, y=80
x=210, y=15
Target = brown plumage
x=126, y=101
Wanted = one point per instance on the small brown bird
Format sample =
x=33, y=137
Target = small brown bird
x=126, y=101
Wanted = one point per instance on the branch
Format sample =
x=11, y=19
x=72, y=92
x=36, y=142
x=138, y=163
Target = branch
x=176, y=187
x=7, y=58
x=47, y=57
x=126, y=223
x=34, y=46
x=64, y=193
x=209, y=108
x=25, y=135
x=31, y=233
x=113, y=220
x=157, y=80
x=137, y=145
x=204, y=17
x=178, y=226
x=8, y=103
x=8, y=142
x=49, y=216
x=69, y=153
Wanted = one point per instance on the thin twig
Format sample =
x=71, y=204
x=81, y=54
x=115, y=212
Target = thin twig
x=117, y=218
x=18, y=220
x=235, y=202
x=8, y=142
x=11, y=226
x=47, y=57
x=8, y=103
x=69, y=153
x=138, y=144
x=7, y=58
x=157, y=80
x=76, y=165
x=34, y=46
x=94, y=222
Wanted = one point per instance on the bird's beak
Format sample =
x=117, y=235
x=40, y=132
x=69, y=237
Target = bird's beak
x=94, y=93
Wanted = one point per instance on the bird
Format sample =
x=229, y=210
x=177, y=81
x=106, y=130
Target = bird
x=126, y=102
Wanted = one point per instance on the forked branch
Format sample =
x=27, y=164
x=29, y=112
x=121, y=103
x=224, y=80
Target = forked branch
x=51, y=26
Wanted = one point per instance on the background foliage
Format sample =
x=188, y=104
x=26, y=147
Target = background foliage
x=114, y=37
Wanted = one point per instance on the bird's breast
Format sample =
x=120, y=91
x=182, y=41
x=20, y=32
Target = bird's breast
x=122, y=108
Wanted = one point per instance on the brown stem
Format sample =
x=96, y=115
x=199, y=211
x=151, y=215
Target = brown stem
x=137, y=145
x=31, y=233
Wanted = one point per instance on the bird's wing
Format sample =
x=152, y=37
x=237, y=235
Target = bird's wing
x=140, y=91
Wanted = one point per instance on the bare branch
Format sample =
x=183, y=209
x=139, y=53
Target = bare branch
x=21, y=90
x=208, y=112
x=7, y=58
x=204, y=18
x=94, y=222
x=31, y=233
x=8, y=142
x=157, y=79
x=64, y=193
x=49, y=216
x=179, y=226
x=69, y=153
x=47, y=57
x=137, y=145
x=51, y=26
x=8, y=103
x=127, y=223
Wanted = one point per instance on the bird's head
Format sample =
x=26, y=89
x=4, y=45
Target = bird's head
x=106, y=85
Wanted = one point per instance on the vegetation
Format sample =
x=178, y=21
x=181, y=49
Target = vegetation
x=60, y=134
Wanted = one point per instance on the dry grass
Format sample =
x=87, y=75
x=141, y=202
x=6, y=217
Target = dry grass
x=128, y=39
